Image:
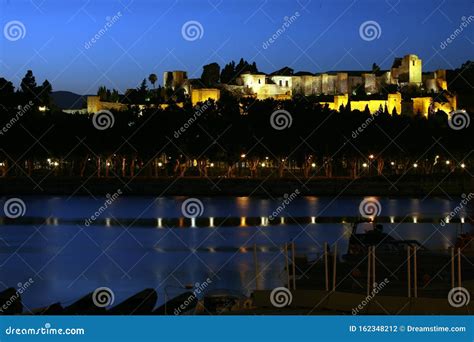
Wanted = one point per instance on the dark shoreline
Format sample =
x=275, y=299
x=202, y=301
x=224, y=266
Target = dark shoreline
x=413, y=185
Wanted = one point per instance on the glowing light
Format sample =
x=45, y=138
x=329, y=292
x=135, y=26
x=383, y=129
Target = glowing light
x=107, y=222
x=193, y=222
x=108, y=164
x=415, y=219
x=463, y=165
x=282, y=220
x=212, y=164
x=446, y=219
x=211, y=221
x=313, y=165
x=462, y=219
x=159, y=222
x=55, y=163
x=364, y=165
x=242, y=155
x=266, y=158
x=392, y=163
x=2, y=164
x=448, y=162
x=263, y=164
x=415, y=165
x=243, y=222
x=264, y=221
x=371, y=156
x=392, y=219
x=313, y=219
x=160, y=164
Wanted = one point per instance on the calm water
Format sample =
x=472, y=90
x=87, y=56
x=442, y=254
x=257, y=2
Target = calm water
x=68, y=260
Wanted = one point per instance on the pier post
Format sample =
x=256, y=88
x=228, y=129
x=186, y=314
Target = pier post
x=459, y=268
x=415, y=271
x=373, y=267
x=257, y=287
x=334, y=268
x=453, y=275
x=287, y=267
x=409, y=270
x=326, y=266
x=294, y=264
x=369, y=265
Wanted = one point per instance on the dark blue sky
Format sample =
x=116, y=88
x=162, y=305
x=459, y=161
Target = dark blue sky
x=148, y=37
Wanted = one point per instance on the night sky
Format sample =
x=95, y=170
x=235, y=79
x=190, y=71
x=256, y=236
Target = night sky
x=147, y=37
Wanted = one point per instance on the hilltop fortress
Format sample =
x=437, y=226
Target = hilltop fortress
x=381, y=89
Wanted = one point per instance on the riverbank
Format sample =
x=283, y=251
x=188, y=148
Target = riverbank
x=413, y=185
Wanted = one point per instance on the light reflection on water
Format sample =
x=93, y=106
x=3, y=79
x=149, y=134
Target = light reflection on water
x=67, y=261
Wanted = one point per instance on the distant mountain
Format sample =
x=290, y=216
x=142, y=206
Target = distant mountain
x=68, y=100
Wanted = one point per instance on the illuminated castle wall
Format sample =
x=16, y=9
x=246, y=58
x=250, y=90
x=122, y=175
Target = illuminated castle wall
x=405, y=72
